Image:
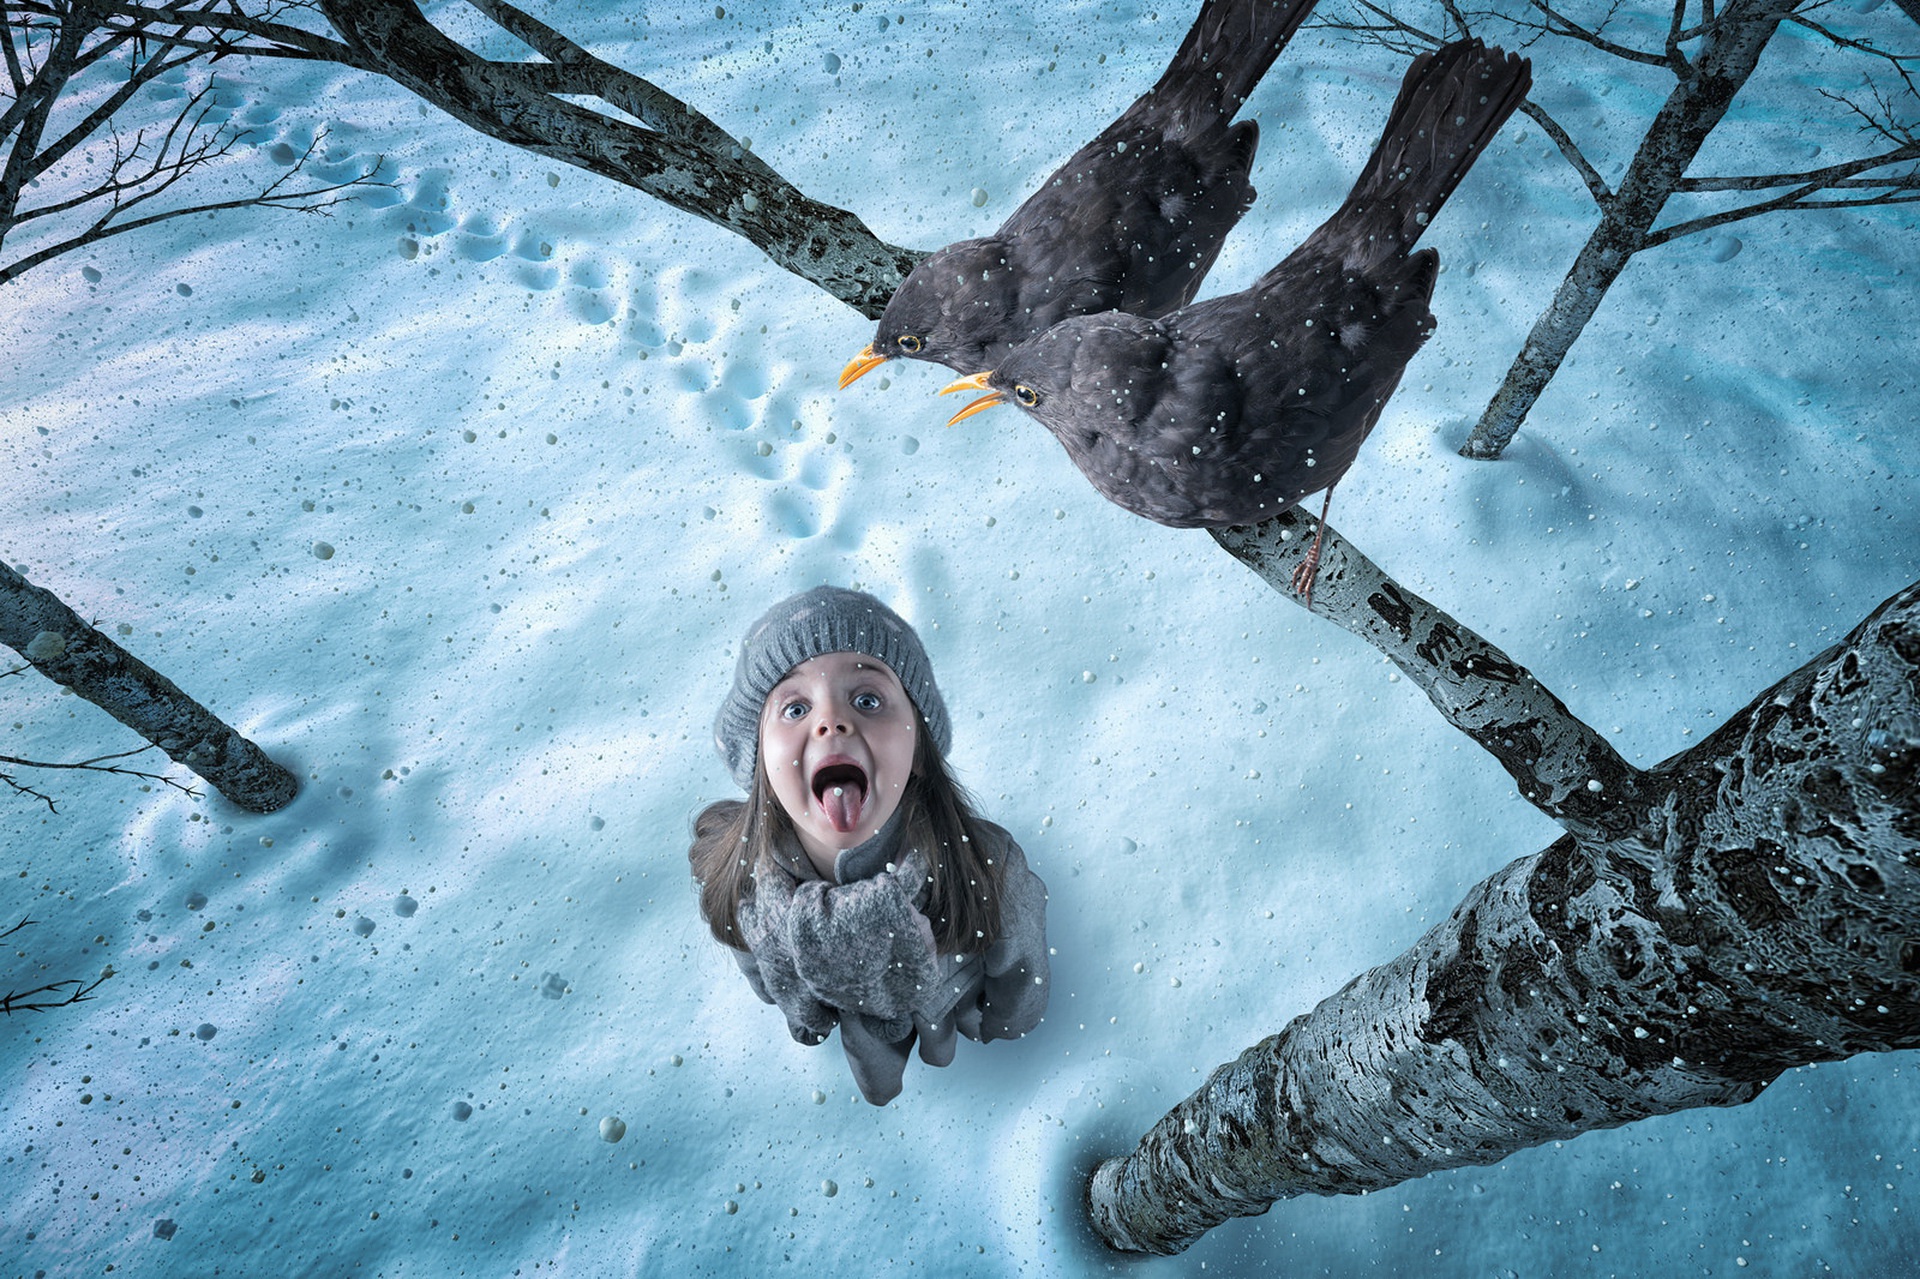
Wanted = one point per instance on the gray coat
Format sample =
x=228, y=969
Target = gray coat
x=856, y=952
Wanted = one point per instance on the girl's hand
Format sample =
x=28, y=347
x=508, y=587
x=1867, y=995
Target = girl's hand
x=914, y=872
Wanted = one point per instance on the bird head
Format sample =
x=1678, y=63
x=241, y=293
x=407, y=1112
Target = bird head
x=1089, y=371
x=955, y=308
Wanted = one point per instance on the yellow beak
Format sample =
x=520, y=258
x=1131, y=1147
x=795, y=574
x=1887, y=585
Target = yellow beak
x=861, y=365
x=978, y=382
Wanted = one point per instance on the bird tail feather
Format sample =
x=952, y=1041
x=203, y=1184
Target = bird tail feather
x=1452, y=102
x=1230, y=46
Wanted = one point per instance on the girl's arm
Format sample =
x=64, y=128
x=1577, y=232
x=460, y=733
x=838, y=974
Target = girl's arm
x=1017, y=978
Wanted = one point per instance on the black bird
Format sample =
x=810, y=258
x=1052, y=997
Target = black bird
x=1131, y=222
x=1231, y=410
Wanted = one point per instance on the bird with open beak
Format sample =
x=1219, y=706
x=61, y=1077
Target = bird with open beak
x=1131, y=222
x=1231, y=410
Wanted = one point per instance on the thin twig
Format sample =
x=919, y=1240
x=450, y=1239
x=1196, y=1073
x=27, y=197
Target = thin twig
x=1596, y=185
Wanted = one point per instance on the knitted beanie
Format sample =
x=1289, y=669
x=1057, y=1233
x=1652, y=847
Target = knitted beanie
x=826, y=619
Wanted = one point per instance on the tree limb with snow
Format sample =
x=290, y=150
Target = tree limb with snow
x=58, y=643
x=1750, y=905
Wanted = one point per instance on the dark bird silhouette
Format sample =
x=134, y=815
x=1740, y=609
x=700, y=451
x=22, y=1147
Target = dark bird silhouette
x=1231, y=410
x=1131, y=222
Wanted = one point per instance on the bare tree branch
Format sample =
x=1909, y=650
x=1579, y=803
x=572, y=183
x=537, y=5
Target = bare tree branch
x=1596, y=185
x=76, y=991
x=21, y=788
x=1563, y=767
x=696, y=168
x=35, y=623
x=139, y=170
x=1898, y=61
x=1559, y=24
x=98, y=764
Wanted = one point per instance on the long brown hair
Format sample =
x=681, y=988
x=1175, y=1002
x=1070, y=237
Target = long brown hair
x=731, y=840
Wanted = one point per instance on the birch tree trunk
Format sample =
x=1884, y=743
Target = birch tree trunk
x=1749, y=905
x=61, y=646
x=1727, y=57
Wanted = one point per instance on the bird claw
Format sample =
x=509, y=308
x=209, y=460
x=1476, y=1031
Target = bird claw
x=1304, y=573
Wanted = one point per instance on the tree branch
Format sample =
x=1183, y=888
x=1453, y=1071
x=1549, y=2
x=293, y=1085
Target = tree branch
x=97, y=764
x=61, y=646
x=699, y=169
x=1596, y=185
x=1563, y=767
x=1799, y=198
x=23, y=1001
x=1559, y=24
x=1760, y=919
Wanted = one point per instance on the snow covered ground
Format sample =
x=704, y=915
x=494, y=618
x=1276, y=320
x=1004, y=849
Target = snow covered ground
x=564, y=443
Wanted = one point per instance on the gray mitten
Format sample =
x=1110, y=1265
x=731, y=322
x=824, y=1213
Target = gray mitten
x=862, y=947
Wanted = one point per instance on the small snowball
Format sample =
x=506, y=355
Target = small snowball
x=363, y=926
x=831, y=62
x=829, y=1188
x=44, y=646
x=323, y=550
x=196, y=901
x=612, y=1128
x=462, y=1112
x=164, y=1228
x=404, y=906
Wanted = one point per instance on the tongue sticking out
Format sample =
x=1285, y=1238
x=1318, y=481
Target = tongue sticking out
x=841, y=790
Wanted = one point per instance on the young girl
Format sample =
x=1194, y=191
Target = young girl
x=855, y=885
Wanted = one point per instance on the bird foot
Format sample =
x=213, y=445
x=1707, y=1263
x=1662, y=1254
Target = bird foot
x=1305, y=571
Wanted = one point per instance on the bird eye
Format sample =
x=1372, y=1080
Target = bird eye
x=1027, y=396
x=909, y=343
x=868, y=702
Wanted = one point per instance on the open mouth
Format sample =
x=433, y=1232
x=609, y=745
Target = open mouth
x=840, y=788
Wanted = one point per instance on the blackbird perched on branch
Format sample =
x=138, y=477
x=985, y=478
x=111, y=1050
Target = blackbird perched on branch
x=1131, y=222
x=1231, y=410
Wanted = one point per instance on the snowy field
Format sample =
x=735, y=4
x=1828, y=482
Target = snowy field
x=565, y=443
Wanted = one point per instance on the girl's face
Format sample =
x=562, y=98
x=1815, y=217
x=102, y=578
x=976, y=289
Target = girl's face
x=837, y=736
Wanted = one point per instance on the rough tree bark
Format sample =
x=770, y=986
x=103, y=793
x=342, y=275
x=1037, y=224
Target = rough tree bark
x=1750, y=905
x=60, y=645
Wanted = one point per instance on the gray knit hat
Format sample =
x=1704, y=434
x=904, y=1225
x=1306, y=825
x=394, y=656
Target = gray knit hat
x=826, y=619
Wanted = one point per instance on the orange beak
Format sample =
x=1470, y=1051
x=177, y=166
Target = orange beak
x=861, y=365
x=978, y=382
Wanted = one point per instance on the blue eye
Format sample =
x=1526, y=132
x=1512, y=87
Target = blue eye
x=793, y=710
x=868, y=702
